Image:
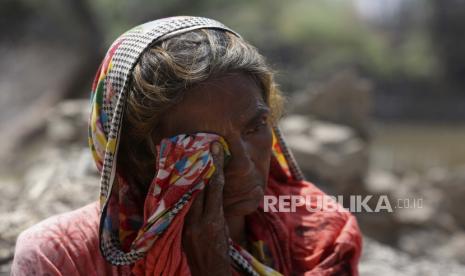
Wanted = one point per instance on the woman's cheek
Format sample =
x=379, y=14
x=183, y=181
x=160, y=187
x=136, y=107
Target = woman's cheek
x=264, y=141
x=262, y=145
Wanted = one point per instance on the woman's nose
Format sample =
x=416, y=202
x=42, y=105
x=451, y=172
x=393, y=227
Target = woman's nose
x=240, y=163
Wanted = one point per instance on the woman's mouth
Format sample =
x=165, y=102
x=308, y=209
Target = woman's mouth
x=243, y=203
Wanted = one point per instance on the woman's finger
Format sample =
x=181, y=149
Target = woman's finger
x=196, y=210
x=213, y=207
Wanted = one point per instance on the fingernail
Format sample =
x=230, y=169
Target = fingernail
x=215, y=148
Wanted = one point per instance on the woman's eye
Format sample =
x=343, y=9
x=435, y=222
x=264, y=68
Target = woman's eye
x=259, y=126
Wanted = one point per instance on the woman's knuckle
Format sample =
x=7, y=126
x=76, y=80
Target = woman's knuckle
x=215, y=226
x=220, y=179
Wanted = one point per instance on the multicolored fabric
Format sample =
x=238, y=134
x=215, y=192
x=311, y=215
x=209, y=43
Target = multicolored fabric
x=130, y=234
x=184, y=167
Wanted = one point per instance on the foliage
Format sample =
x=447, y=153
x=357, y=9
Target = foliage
x=304, y=39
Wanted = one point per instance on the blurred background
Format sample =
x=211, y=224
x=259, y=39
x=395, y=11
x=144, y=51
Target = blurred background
x=375, y=106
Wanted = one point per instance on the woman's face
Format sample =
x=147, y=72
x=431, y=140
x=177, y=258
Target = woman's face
x=233, y=107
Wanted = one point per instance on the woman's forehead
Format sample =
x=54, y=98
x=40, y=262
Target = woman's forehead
x=231, y=101
x=232, y=92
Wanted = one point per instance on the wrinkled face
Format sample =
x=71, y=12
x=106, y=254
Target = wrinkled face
x=233, y=107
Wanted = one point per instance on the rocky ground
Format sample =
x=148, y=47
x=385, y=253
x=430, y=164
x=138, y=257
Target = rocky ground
x=56, y=174
x=382, y=260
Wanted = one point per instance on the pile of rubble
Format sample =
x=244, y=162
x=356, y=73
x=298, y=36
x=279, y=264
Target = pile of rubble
x=381, y=260
x=50, y=175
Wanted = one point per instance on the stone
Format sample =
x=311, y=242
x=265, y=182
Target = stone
x=345, y=99
x=454, y=188
x=67, y=122
x=330, y=153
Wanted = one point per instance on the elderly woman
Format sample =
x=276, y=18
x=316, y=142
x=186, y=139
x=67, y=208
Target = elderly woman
x=183, y=131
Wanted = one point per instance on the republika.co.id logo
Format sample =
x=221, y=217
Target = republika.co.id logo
x=352, y=203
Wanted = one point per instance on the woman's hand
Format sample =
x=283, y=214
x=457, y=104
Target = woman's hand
x=205, y=233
